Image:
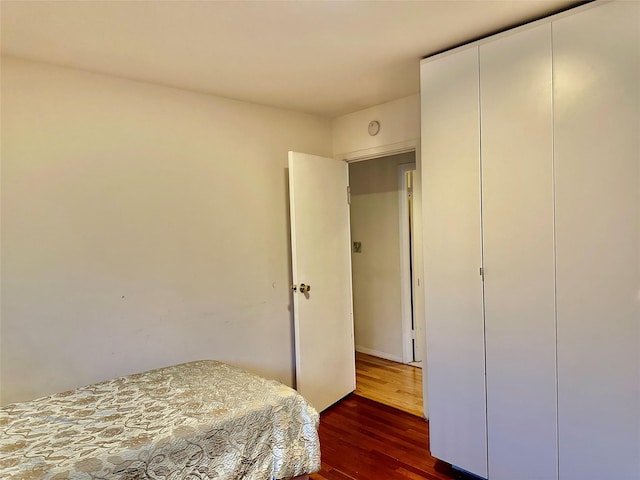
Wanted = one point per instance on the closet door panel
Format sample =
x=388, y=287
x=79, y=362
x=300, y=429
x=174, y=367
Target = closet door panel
x=452, y=255
x=517, y=213
x=597, y=125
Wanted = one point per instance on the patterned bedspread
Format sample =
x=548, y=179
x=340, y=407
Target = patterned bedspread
x=195, y=421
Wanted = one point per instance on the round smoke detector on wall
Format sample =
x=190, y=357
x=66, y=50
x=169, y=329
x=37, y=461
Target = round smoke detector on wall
x=374, y=127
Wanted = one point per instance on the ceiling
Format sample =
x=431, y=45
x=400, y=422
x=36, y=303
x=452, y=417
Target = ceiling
x=322, y=57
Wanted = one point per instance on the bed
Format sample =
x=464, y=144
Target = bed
x=196, y=421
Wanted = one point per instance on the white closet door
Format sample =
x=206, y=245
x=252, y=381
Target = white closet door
x=517, y=213
x=597, y=128
x=452, y=255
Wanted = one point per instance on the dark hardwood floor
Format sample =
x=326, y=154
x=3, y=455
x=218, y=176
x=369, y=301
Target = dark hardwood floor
x=364, y=440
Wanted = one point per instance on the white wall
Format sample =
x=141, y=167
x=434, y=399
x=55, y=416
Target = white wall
x=141, y=226
x=375, y=222
x=399, y=127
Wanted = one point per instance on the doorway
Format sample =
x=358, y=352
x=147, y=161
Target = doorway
x=387, y=332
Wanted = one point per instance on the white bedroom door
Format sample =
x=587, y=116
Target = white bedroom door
x=321, y=264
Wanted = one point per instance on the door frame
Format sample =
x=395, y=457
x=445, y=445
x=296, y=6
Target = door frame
x=407, y=273
x=419, y=293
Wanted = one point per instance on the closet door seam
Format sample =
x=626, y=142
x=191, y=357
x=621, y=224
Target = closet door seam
x=484, y=316
x=555, y=250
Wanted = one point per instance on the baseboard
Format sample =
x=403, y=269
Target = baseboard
x=377, y=353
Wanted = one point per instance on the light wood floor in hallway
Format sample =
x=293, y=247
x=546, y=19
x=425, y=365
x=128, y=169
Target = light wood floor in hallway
x=389, y=383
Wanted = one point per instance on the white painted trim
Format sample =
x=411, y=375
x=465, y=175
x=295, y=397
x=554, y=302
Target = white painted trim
x=379, y=354
x=405, y=261
x=353, y=323
x=377, y=152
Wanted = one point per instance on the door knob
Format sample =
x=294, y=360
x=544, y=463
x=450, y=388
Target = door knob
x=304, y=288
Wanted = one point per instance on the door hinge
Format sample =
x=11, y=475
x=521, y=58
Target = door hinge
x=348, y=195
x=482, y=273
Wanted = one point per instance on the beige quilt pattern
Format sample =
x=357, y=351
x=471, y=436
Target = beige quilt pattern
x=196, y=421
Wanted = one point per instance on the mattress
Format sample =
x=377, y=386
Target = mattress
x=198, y=421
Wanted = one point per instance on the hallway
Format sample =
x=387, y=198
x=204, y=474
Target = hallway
x=390, y=383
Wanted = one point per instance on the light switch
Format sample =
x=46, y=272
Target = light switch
x=357, y=247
